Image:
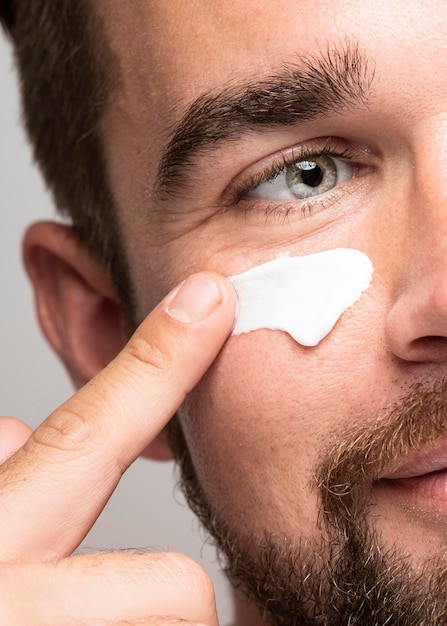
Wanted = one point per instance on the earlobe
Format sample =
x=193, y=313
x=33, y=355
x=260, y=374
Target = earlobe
x=76, y=304
x=158, y=449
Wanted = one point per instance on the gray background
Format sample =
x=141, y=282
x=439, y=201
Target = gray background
x=146, y=510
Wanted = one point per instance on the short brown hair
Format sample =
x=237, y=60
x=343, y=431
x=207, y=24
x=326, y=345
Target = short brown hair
x=67, y=73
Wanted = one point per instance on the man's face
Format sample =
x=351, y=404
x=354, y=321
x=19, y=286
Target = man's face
x=361, y=88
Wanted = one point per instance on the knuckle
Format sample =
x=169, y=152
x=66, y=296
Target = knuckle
x=147, y=354
x=67, y=431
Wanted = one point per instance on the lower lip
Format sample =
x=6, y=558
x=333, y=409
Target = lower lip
x=427, y=492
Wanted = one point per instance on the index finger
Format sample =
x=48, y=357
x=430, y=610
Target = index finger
x=53, y=489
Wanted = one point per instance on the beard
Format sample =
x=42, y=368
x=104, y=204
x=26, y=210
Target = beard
x=344, y=575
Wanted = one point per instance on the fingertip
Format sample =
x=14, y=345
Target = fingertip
x=229, y=297
x=199, y=296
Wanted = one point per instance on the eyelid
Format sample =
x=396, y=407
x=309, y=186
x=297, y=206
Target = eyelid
x=274, y=164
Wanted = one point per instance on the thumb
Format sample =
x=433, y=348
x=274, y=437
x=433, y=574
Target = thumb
x=13, y=434
x=110, y=589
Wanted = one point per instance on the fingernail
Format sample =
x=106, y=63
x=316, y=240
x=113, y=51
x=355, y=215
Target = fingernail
x=195, y=299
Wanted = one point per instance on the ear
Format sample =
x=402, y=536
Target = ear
x=77, y=307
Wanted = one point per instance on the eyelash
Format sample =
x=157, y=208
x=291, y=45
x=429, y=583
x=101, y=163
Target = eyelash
x=238, y=192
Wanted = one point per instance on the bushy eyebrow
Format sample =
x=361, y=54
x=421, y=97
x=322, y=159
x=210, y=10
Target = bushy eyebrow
x=335, y=81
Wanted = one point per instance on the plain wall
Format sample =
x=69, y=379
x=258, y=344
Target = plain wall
x=146, y=510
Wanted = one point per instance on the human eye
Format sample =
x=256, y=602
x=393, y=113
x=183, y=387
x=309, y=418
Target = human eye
x=302, y=177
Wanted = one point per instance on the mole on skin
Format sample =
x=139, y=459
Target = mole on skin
x=303, y=296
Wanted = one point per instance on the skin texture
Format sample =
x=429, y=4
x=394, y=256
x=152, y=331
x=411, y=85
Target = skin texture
x=285, y=412
x=274, y=406
x=268, y=413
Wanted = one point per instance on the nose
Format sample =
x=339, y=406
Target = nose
x=416, y=325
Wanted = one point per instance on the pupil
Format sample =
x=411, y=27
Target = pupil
x=309, y=178
x=311, y=173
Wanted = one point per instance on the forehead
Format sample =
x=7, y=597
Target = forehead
x=169, y=53
x=192, y=45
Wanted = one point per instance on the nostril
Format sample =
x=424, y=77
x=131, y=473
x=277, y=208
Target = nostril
x=428, y=348
x=426, y=342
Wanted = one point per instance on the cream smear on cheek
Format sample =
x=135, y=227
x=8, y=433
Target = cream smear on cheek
x=303, y=296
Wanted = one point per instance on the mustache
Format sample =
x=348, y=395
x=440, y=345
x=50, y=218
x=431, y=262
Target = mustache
x=363, y=454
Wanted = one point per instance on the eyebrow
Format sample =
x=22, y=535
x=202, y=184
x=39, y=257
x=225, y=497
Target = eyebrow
x=336, y=81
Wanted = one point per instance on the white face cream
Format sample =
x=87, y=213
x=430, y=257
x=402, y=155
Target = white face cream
x=303, y=296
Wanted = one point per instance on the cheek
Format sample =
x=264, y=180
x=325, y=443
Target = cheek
x=256, y=426
x=267, y=413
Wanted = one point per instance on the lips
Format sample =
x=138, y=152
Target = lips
x=426, y=461
x=423, y=477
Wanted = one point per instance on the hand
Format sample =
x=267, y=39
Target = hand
x=53, y=488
